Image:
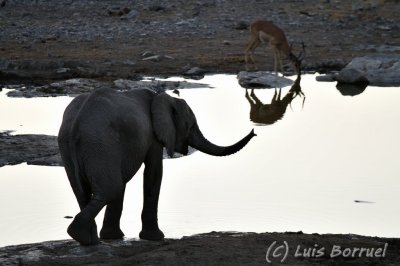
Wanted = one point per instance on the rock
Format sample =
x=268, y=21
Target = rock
x=168, y=57
x=77, y=86
x=118, y=12
x=214, y=248
x=326, y=78
x=325, y=66
x=262, y=79
x=241, y=25
x=66, y=87
x=347, y=89
x=131, y=15
x=156, y=85
x=129, y=62
x=62, y=70
x=153, y=58
x=125, y=84
x=32, y=149
x=157, y=8
x=195, y=73
x=385, y=28
x=352, y=76
x=387, y=48
x=147, y=54
x=378, y=69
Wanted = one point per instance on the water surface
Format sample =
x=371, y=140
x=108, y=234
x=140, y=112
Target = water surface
x=303, y=172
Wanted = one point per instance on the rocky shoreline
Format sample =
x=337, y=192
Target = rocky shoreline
x=214, y=248
x=30, y=149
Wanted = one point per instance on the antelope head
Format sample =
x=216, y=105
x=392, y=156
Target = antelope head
x=297, y=60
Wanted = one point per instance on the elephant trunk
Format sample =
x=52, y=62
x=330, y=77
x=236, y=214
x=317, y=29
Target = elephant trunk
x=199, y=142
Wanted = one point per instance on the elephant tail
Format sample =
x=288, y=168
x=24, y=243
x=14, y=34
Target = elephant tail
x=68, y=140
x=71, y=163
x=77, y=179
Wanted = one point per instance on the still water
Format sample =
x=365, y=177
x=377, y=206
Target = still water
x=304, y=172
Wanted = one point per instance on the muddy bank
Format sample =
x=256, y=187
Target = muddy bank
x=122, y=39
x=30, y=149
x=74, y=87
x=215, y=248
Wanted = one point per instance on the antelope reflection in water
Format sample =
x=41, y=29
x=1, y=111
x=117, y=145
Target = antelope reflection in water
x=270, y=113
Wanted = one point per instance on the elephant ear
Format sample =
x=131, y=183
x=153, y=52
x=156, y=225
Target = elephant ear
x=163, y=122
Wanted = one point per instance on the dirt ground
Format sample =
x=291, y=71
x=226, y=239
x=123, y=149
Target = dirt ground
x=215, y=248
x=62, y=39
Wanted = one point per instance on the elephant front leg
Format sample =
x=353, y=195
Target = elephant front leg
x=151, y=192
x=111, y=223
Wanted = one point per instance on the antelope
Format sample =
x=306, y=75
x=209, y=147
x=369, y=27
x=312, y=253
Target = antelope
x=268, y=114
x=263, y=31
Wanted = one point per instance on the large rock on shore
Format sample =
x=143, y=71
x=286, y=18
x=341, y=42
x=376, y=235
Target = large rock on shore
x=32, y=149
x=262, y=79
x=215, y=248
x=378, y=70
x=352, y=76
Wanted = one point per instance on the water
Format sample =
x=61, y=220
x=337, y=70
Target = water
x=303, y=172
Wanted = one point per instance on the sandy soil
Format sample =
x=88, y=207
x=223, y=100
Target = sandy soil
x=60, y=39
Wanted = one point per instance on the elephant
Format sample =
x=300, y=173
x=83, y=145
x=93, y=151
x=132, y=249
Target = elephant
x=268, y=114
x=105, y=137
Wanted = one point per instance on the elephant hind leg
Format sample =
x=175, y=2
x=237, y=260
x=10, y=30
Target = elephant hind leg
x=79, y=225
x=111, y=223
x=82, y=192
x=83, y=228
x=106, y=186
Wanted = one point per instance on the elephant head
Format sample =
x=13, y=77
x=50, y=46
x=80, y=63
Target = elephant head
x=176, y=127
